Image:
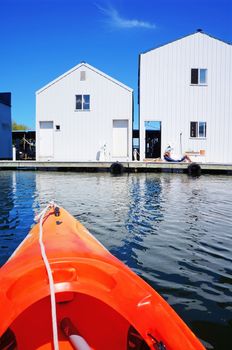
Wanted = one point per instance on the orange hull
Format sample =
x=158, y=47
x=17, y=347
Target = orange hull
x=101, y=296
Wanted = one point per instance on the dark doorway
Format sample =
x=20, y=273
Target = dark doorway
x=24, y=142
x=152, y=139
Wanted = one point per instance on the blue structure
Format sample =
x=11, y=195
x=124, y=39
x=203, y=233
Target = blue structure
x=5, y=126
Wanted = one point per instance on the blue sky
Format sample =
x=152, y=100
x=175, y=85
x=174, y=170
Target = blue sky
x=42, y=39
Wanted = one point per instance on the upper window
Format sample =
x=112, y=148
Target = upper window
x=198, y=76
x=83, y=102
x=197, y=129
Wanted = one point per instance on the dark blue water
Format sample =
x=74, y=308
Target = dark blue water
x=174, y=231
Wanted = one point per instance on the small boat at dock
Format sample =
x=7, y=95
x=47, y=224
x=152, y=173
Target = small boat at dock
x=62, y=289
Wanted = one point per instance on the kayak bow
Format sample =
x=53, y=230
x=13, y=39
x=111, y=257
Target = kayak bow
x=100, y=303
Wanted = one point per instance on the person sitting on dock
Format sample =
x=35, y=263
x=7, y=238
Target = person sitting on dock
x=168, y=158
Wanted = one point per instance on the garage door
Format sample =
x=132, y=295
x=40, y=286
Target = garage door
x=120, y=138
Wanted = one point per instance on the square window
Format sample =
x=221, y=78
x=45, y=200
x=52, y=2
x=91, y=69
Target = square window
x=198, y=76
x=57, y=127
x=197, y=129
x=83, y=102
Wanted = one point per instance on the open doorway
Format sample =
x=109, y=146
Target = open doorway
x=152, y=139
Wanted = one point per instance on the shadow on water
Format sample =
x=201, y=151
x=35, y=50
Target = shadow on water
x=174, y=231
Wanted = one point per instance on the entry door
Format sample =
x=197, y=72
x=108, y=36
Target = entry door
x=46, y=134
x=120, y=138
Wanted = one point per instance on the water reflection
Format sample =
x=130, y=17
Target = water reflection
x=7, y=222
x=143, y=216
x=172, y=230
x=17, y=191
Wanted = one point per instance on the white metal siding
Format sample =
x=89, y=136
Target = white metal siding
x=166, y=94
x=83, y=134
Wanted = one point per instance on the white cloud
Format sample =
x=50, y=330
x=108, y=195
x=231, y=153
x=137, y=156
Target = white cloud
x=115, y=20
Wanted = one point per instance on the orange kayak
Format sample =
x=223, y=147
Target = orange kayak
x=100, y=303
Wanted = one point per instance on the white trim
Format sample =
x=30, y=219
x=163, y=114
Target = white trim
x=198, y=84
x=198, y=138
x=82, y=110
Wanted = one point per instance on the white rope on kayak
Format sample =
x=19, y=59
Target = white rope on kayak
x=40, y=218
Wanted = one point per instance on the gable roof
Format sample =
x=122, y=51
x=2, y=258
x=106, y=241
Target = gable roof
x=198, y=32
x=84, y=64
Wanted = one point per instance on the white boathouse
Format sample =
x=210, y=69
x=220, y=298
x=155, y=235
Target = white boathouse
x=185, y=99
x=5, y=126
x=84, y=115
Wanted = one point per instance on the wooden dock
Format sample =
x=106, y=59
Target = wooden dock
x=206, y=168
